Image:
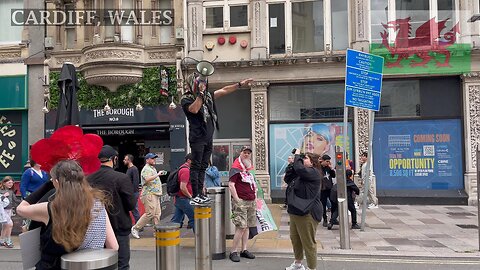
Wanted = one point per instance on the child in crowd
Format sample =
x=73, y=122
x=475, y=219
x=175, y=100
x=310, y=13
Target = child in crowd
x=352, y=191
x=8, y=197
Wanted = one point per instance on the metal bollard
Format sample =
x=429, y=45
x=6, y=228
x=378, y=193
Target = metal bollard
x=90, y=259
x=167, y=237
x=218, y=243
x=203, y=258
x=229, y=227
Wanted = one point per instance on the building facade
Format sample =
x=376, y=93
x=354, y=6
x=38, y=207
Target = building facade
x=426, y=131
x=425, y=134
x=15, y=99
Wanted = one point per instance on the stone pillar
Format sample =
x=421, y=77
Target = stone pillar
x=471, y=101
x=259, y=30
x=360, y=27
x=469, y=32
x=260, y=135
x=195, y=29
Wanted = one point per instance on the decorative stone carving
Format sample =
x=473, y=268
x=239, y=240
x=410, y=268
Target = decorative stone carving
x=360, y=22
x=362, y=130
x=112, y=82
x=256, y=12
x=71, y=59
x=260, y=131
x=119, y=54
x=474, y=111
x=161, y=55
x=10, y=55
x=260, y=134
x=194, y=28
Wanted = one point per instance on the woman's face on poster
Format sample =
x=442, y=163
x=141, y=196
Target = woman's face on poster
x=315, y=143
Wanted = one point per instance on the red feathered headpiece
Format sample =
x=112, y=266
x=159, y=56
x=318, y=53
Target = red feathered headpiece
x=68, y=143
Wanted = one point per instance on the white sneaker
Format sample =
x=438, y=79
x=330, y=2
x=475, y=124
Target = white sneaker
x=197, y=201
x=135, y=233
x=372, y=206
x=295, y=266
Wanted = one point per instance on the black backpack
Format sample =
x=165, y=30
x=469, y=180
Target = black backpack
x=173, y=186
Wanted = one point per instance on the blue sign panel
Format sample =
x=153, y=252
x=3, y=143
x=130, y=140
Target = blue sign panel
x=418, y=154
x=363, y=80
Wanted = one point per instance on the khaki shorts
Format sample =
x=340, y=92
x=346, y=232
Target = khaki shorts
x=244, y=213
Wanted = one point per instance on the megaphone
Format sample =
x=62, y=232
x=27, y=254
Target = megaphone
x=205, y=69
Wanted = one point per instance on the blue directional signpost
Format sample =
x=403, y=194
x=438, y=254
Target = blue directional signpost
x=363, y=89
x=363, y=80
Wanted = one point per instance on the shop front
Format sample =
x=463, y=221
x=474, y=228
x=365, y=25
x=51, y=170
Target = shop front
x=418, y=145
x=418, y=140
x=154, y=129
x=13, y=126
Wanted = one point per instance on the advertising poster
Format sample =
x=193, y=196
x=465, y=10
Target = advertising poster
x=319, y=138
x=419, y=154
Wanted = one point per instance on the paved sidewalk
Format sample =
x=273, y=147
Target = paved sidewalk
x=392, y=230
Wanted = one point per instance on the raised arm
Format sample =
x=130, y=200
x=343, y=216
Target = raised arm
x=230, y=88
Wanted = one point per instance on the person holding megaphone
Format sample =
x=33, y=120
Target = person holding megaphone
x=199, y=107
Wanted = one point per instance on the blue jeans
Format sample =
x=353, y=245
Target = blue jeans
x=183, y=207
x=135, y=213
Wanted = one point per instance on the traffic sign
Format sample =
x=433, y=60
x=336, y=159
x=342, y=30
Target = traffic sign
x=363, y=80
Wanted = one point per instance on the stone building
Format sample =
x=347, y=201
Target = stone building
x=425, y=135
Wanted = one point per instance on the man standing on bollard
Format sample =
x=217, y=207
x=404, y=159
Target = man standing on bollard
x=199, y=107
x=151, y=192
x=120, y=190
x=132, y=172
x=243, y=188
x=182, y=199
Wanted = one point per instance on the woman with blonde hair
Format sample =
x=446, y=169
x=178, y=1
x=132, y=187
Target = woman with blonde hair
x=74, y=218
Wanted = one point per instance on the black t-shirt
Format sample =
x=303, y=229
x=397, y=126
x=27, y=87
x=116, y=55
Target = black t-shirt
x=132, y=172
x=202, y=123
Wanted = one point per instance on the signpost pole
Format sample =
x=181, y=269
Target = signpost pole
x=342, y=186
x=363, y=88
x=366, y=183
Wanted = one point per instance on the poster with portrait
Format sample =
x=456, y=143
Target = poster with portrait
x=319, y=138
x=418, y=154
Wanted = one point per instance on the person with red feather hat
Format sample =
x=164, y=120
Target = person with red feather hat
x=243, y=187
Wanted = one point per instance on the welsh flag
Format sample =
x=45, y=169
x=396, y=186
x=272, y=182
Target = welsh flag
x=431, y=48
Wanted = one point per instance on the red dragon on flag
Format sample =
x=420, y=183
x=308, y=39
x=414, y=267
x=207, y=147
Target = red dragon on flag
x=427, y=42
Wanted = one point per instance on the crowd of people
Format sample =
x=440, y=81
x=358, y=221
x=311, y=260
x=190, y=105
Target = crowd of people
x=78, y=211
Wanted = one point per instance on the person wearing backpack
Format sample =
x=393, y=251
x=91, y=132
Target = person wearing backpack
x=184, y=195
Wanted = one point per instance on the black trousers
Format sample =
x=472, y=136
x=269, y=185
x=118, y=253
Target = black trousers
x=201, y=152
x=351, y=208
x=324, y=195
x=123, y=252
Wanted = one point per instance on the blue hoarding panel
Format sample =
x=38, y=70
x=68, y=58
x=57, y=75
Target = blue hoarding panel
x=418, y=154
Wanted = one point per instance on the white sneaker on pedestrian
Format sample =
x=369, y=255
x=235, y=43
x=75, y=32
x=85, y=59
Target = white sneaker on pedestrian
x=372, y=206
x=356, y=205
x=197, y=201
x=135, y=233
x=295, y=266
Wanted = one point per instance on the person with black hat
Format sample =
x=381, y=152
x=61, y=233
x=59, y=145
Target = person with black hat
x=120, y=192
x=199, y=107
x=150, y=196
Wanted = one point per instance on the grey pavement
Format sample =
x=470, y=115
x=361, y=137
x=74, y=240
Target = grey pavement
x=145, y=260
